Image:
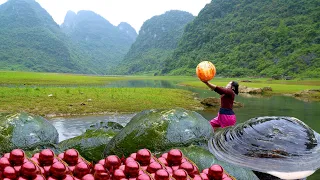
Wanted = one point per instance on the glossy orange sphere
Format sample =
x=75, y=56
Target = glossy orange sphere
x=205, y=71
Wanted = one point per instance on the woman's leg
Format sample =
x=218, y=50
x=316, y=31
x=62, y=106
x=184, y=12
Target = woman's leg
x=227, y=120
x=215, y=122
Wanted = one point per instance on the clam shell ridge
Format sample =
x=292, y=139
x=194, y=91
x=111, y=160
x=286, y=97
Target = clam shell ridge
x=282, y=144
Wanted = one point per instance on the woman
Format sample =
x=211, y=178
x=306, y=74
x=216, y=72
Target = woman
x=226, y=116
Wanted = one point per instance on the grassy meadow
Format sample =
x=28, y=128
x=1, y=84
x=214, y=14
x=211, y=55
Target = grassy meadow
x=48, y=101
x=53, y=94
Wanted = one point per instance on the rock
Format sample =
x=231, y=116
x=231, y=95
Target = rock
x=91, y=144
x=26, y=132
x=215, y=102
x=288, y=78
x=276, y=77
x=53, y=147
x=244, y=89
x=264, y=89
x=204, y=159
x=159, y=130
x=306, y=92
x=313, y=91
x=211, y=102
x=308, y=95
x=109, y=125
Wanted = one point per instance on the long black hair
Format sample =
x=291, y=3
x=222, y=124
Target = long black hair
x=235, y=87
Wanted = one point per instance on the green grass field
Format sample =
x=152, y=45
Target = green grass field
x=49, y=94
x=68, y=94
x=89, y=100
x=32, y=78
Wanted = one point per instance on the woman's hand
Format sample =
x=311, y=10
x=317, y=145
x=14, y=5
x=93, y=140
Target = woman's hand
x=211, y=86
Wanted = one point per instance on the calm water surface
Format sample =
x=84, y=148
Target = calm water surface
x=308, y=112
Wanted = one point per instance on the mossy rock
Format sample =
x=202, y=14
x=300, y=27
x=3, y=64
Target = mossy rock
x=204, y=159
x=91, y=144
x=26, y=132
x=38, y=149
x=159, y=130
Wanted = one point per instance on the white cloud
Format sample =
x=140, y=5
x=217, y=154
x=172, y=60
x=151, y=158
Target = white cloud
x=134, y=12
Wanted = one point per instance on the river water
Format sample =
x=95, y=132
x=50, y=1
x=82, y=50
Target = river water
x=308, y=112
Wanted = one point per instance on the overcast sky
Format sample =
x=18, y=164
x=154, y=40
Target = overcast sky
x=134, y=12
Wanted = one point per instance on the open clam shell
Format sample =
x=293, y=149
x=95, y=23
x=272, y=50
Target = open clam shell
x=281, y=146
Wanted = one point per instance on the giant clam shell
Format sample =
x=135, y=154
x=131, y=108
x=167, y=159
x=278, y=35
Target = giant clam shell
x=281, y=146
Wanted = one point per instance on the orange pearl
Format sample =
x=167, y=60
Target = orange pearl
x=205, y=71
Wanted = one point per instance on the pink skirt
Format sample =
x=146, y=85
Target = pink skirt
x=223, y=120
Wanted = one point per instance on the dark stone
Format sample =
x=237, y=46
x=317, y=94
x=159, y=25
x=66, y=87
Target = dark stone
x=215, y=102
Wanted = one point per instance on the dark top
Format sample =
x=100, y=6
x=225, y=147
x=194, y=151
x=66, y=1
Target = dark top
x=227, y=97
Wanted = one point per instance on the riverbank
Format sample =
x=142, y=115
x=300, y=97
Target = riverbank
x=306, y=90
